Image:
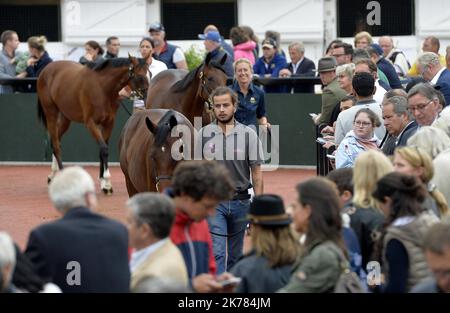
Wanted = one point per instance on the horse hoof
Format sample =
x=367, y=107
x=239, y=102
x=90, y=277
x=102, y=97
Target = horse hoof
x=107, y=192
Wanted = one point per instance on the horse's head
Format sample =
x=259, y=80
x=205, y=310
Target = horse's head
x=137, y=74
x=169, y=147
x=211, y=75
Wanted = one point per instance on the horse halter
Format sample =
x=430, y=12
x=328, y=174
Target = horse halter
x=158, y=178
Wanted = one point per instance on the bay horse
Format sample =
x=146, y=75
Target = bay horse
x=151, y=144
x=188, y=93
x=70, y=92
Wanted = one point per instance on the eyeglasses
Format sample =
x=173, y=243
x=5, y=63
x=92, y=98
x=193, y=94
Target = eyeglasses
x=420, y=107
x=362, y=124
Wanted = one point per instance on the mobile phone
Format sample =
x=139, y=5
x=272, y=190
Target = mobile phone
x=231, y=281
x=321, y=140
x=330, y=156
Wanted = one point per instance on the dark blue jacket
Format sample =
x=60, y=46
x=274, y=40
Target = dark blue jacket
x=228, y=49
x=444, y=85
x=251, y=107
x=274, y=67
x=305, y=69
x=389, y=70
x=166, y=55
x=97, y=243
x=35, y=70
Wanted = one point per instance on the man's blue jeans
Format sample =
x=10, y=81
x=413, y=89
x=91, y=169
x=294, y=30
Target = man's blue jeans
x=230, y=219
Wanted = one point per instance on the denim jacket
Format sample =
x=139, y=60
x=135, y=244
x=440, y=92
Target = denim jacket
x=349, y=149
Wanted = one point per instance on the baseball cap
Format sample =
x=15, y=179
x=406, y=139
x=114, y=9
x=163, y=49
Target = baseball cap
x=269, y=42
x=211, y=35
x=158, y=27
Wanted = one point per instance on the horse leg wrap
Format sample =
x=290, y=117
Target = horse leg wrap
x=105, y=182
x=54, y=168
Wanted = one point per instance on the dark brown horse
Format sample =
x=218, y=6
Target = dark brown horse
x=151, y=144
x=187, y=94
x=70, y=92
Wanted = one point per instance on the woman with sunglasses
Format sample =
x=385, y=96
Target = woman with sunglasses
x=361, y=138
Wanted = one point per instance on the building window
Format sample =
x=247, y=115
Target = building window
x=397, y=18
x=184, y=20
x=31, y=18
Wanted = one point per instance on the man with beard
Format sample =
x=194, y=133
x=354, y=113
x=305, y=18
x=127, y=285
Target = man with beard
x=164, y=51
x=239, y=149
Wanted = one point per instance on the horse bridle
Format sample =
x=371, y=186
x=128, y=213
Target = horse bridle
x=158, y=178
x=139, y=92
x=205, y=87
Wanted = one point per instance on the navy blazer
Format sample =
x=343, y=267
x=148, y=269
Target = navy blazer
x=409, y=131
x=444, y=85
x=97, y=243
x=305, y=69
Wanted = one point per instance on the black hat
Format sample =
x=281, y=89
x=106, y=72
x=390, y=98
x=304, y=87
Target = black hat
x=268, y=210
x=158, y=27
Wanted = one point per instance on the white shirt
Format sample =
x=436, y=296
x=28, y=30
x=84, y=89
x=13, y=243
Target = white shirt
x=156, y=67
x=436, y=77
x=137, y=257
x=178, y=56
x=296, y=65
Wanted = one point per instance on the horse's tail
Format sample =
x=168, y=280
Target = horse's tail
x=41, y=114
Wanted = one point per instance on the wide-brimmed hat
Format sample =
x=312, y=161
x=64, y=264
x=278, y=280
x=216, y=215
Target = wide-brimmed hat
x=327, y=64
x=268, y=210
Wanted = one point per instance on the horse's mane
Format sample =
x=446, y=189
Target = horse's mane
x=163, y=129
x=184, y=83
x=115, y=62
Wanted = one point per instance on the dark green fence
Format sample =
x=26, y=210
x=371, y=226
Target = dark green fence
x=23, y=139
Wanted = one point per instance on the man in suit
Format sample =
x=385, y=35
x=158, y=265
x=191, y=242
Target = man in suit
x=82, y=251
x=300, y=66
x=149, y=219
x=432, y=71
x=397, y=121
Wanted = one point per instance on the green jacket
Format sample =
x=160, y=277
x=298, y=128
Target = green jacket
x=332, y=94
x=316, y=271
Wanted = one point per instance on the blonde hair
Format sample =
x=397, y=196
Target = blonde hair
x=278, y=244
x=431, y=139
x=243, y=60
x=362, y=35
x=346, y=69
x=370, y=166
x=419, y=158
x=37, y=42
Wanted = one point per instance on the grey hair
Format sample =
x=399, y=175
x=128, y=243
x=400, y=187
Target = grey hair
x=346, y=69
x=395, y=92
x=400, y=105
x=154, y=209
x=154, y=284
x=359, y=54
x=424, y=89
x=298, y=45
x=428, y=58
x=69, y=187
x=431, y=139
x=7, y=255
